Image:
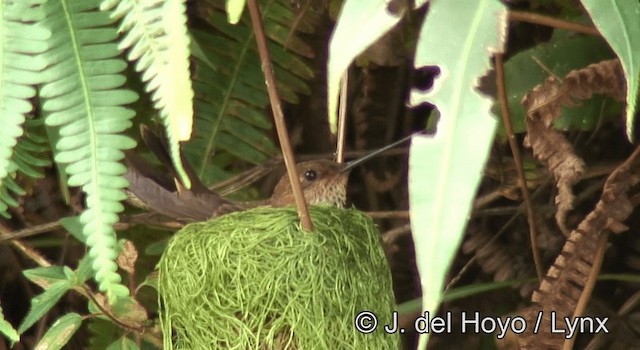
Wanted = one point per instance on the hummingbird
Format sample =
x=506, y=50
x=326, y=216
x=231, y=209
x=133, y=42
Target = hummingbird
x=323, y=182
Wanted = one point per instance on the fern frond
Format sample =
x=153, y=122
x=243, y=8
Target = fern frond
x=231, y=99
x=30, y=156
x=156, y=34
x=22, y=38
x=83, y=97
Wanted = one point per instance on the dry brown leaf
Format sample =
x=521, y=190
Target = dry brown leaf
x=565, y=282
x=544, y=105
x=127, y=258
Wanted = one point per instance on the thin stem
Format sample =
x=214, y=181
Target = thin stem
x=551, y=22
x=517, y=158
x=281, y=128
x=396, y=214
x=342, y=117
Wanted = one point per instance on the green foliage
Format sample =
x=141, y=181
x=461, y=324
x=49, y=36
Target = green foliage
x=23, y=39
x=60, y=332
x=360, y=24
x=102, y=332
x=562, y=54
x=234, y=10
x=82, y=98
x=156, y=34
x=66, y=55
x=123, y=343
x=231, y=95
x=7, y=329
x=445, y=169
x=42, y=303
x=56, y=281
x=619, y=23
x=29, y=156
x=69, y=52
x=46, y=276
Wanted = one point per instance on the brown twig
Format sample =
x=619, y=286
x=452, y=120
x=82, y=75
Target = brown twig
x=43, y=228
x=30, y=231
x=551, y=22
x=517, y=158
x=281, y=128
x=395, y=214
x=89, y=294
x=392, y=235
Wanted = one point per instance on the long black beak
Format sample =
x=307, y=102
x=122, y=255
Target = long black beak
x=350, y=165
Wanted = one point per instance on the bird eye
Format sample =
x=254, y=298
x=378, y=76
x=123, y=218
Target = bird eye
x=310, y=175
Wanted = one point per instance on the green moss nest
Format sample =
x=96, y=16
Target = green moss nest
x=254, y=280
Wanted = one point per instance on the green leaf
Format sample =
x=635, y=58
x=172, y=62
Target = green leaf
x=445, y=169
x=126, y=309
x=123, y=343
x=42, y=303
x=103, y=333
x=83, y=97
x=234, y=10
x=29, y=157
x=151, y=280
x=360, y=24
x=23, y=39
x=562, y=54
x=157, y=39
x=84, y=270
x=46, y=276
x=619, y=23
x=7, y=329
x=74, y=227
x=231, y=96
x=60, y=332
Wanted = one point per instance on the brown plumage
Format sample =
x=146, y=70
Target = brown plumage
x=323, y=182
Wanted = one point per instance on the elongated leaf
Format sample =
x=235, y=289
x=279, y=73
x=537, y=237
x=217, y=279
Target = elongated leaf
x=156, y=34
x=619, y=23
x=445, y=169
x=7, y=329
x=360, y=24
x=46, y=276
x=84, y=270
x=60, y=332
x=42, y=303
x=83, y=99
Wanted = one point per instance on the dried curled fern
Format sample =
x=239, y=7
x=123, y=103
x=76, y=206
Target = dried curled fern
x=544, y=104
x=23, y=38
x=156, y=34
x=230, y=92
x=567, y=286
x=82, y=97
